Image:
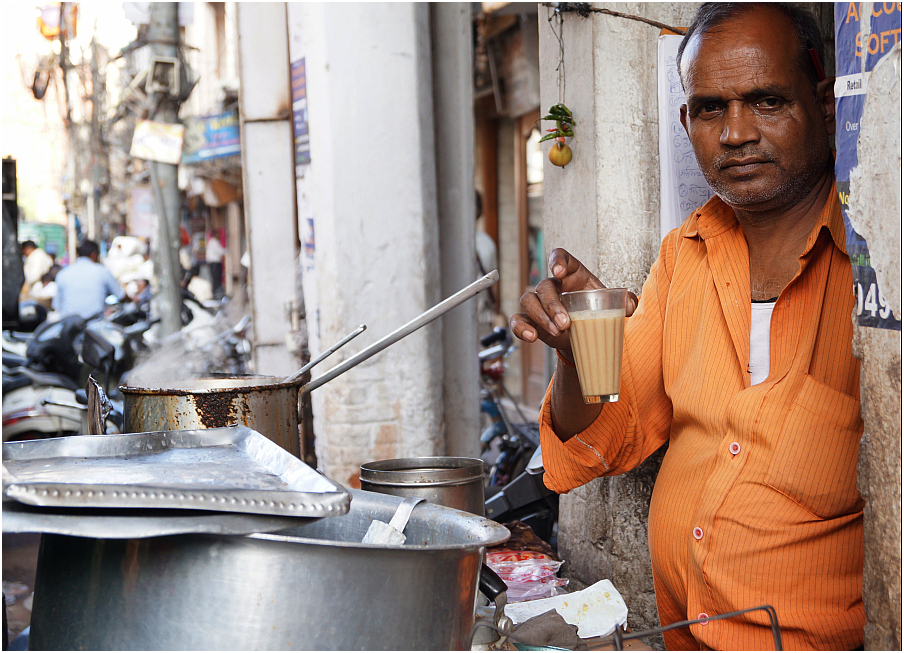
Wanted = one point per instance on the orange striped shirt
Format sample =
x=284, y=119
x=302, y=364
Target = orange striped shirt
x=756, y=501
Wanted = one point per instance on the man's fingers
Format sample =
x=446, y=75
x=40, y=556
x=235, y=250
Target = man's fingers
x=549, y=296
x=561, y=263
x=571, y=272
x=523, y=327
x=631, y=304
x=535, y=307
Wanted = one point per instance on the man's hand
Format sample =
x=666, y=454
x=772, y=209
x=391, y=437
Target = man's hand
x=546, y=319
x=543, y=315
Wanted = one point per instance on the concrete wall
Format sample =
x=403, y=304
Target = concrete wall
x=452, y=54
x=875, y=213
x=268, y=181
x=372, y=189
x=604, y=208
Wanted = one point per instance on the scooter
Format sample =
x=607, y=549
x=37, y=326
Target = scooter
x=44, y=398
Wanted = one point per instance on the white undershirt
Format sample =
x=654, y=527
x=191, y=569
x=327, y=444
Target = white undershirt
x=760, y=321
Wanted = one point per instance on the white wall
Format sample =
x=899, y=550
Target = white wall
x=269, y=192
x=372, y=191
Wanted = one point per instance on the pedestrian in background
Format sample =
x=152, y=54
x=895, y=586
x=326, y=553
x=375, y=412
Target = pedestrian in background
x=37, y=264
x=83, y=287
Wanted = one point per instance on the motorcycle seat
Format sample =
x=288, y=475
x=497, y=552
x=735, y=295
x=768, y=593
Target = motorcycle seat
x=11, y=360
x=14, y=382
x=48, y=378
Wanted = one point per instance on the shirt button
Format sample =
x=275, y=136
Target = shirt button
x=734, y=448
x=703, y=616
x=698, y=533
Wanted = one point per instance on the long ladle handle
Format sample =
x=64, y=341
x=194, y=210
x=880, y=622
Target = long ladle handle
x=329, y=351
x=443, y=307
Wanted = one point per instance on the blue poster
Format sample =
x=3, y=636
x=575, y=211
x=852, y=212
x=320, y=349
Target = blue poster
x=857, y=50
x=210, y=137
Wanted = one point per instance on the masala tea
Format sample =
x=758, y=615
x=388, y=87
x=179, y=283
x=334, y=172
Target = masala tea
x=597, y=335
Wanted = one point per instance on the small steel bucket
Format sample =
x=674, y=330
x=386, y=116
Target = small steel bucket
x=446, y=481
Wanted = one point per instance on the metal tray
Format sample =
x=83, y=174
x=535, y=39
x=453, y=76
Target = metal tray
x=232, y=469
x=112, y=523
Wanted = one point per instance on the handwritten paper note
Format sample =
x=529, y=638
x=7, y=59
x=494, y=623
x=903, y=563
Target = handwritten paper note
x=682, y=185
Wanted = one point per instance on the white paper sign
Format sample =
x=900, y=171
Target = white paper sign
x=158, y=141
x=682, y=185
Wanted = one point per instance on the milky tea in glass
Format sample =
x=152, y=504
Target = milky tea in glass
x=597, y=334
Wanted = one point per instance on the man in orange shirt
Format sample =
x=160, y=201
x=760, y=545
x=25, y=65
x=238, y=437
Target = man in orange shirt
x=738, y=354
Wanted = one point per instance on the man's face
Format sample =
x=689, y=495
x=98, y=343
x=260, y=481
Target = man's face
x=759, y=134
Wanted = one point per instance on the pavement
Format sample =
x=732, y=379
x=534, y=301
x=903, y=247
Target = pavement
x=20, y=558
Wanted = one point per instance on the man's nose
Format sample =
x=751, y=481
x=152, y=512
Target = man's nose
x=739, y=126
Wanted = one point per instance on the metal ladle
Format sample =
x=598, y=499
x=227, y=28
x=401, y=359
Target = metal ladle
x=424, y=318
x=353, y=334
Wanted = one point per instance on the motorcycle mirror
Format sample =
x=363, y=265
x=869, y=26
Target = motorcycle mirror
x=96, y=350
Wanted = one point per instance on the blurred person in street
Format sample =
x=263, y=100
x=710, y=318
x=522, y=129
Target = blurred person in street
x=488, y=314
x=738, y=355
x=139, y=290
x=83, y=287
x=213, y=255
x=37, y=264
x=45, y=290
x=56, y=267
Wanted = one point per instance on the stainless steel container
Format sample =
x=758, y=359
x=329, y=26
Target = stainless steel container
x=447, y=481
x=315, y=587
x=263, y=403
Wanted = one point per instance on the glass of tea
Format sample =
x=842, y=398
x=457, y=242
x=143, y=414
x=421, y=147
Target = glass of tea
x=597, y=334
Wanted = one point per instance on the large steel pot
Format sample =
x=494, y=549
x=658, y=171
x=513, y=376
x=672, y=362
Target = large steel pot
x=313, y=587
x=263, y=403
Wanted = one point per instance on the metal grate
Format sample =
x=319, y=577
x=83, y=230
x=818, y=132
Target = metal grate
x=618, y=637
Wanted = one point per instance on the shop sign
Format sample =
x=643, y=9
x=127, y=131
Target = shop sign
x=158, y=141
x=211, y=137
x=143, y=213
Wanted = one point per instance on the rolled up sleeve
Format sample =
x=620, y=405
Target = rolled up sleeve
x=629, y=430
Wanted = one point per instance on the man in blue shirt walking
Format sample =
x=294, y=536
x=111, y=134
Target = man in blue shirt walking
x=83, y=287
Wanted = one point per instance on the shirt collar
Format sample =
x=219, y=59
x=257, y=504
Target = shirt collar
x=716, y=216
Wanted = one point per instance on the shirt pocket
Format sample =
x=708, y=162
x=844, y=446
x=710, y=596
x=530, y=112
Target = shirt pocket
x=815, y=460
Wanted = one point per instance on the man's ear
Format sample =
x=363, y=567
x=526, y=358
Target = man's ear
x=683, y=117
x=825, y=96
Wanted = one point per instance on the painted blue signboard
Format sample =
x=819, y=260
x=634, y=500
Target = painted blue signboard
x=211, y=137
x=861, y=40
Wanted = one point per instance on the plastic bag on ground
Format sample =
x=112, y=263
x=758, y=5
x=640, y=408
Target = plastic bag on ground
x=529, y=575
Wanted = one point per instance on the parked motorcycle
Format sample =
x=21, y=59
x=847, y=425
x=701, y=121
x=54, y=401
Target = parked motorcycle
x=512, y=442
x=44, y=397
x=515, y=490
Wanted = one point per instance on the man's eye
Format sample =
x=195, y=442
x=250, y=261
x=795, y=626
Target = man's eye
x=769, y=103
x=708, y=110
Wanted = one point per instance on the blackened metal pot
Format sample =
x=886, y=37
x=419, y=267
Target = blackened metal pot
x=265, y=404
